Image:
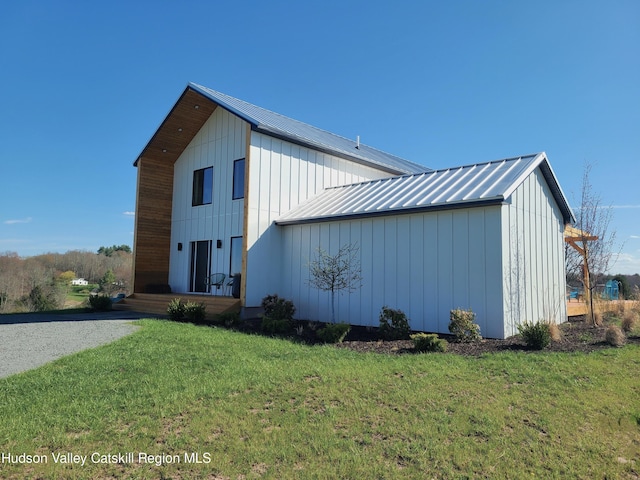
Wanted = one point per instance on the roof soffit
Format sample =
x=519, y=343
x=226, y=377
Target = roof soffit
x=183, y=122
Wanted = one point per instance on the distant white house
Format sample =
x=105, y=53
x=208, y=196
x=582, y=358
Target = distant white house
x=226, y=186
x=79, y=281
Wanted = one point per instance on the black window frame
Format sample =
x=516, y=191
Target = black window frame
x=200, y=195
x=235, y=194
x=231, y=252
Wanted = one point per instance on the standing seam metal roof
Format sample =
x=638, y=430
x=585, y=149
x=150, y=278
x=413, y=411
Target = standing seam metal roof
x=274, y=124
x=490, y=182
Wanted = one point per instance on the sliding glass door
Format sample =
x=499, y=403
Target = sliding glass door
x=200, y=266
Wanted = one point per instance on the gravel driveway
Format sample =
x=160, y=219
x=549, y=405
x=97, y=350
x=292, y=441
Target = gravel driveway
x=30, y=340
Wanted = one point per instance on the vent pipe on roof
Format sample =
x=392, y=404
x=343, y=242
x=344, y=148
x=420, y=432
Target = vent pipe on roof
x=358, y=142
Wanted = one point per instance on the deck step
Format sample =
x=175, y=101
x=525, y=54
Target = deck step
x=157, y=304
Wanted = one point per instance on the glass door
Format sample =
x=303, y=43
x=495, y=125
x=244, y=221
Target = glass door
x=200, y=266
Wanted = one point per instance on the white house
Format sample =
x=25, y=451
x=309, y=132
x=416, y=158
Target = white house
x=226, y=186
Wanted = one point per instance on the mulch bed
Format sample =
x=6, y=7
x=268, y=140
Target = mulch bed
x=578, y=335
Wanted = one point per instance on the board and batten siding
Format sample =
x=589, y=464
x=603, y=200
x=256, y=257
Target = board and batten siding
x=533, y=257
x=424, y=264
x=281, y=176
x=220, y=142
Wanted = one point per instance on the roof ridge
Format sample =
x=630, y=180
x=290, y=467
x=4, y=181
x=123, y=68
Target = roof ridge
x=359, y=153
x=438, y=170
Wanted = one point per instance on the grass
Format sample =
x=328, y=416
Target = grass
x=267, y=408
x=79, y=294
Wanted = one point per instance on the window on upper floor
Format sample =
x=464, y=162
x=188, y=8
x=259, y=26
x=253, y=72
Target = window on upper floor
x=202, y=187
x=238, y=179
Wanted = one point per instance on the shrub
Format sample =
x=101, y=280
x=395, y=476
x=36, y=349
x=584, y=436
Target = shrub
x=615, y=336
x=629, y=321
x=428, y=342
x=275, y=325
x=393, y=324
x=598, y=318
x=100, y=303
x=175, y=310
x=535, y=335
x=554, y=331
x=462, y=327
x=278, y=308
x=334, y=332
x=194, y=312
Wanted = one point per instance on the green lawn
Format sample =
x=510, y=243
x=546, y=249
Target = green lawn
x=254, y=407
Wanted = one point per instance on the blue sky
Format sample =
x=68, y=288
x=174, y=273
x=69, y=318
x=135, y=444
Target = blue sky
x=84, y=85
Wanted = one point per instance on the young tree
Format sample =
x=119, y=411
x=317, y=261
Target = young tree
x=594, y=244
x=336, y=273
x=107, y=282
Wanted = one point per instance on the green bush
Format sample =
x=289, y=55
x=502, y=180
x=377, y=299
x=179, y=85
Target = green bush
x=334, y=332
x=535, y=335
x=194, y=312
x=393, y=324
x=275, y=325
x=428, y=342
x=175, y=310
x=100, y=303
x=278, y=308
x=462, y=326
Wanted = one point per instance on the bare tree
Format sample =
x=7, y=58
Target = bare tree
x=594, y=243
x=336, y=273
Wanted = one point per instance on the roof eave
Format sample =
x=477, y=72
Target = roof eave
x=397, y=211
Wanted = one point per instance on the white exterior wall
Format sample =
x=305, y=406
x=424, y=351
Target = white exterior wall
x=533, y=258
x=281, y=176
x=220, y=141
x=424, y=264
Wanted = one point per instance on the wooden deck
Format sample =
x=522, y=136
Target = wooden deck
x=156, y=304
x=576, y=308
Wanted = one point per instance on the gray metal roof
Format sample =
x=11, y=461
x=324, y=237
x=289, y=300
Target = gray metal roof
x=274, y=124
x=482, y=183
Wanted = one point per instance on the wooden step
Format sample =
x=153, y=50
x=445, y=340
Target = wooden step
x=157, y=304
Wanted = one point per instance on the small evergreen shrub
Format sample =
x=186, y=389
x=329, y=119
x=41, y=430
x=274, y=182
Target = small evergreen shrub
x=428, y=342
x=175, y=310
x=535, y=335
x=393, y=324
x=100, y=303
x=462, y=326
x=275, y=325
x=615, y=336
x=278, y=308
x=334, y=332
x=194, y=312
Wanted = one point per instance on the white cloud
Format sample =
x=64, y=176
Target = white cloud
x=129, y=214
x=634, y=236
x=625, y=206
x=626, y=263
x=23, y=220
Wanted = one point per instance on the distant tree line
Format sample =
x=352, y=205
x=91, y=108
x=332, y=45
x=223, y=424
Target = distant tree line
x=42, y=282
x=110, y=251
